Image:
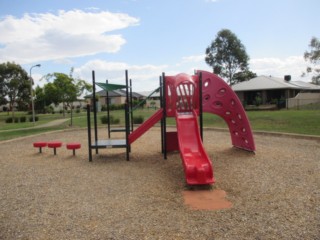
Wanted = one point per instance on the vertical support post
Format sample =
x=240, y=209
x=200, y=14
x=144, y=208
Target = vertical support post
x=127, y=118
x=200, y=105
x=89, y=132
x=164, y=116
x=131, y=107
x=94, y=109
x=108, y=110
x=161, y=106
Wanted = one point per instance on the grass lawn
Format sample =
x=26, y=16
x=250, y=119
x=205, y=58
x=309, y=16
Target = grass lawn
x=289, y=121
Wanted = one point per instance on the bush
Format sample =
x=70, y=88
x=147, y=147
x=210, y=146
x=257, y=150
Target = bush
x=104, y=108
x=104, y=120
x=48, y=109
x=9, y=120
x=117, y=106
x=78, y=110
x=16, y=120
x=138, y=119
x=36, y=118
x=23, y=119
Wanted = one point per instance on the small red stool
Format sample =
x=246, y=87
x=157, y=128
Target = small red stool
x=40, y=145
x=73, y=146
x=54, y=145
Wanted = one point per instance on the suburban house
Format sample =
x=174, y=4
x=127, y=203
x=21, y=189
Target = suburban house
x=116, y=97
x=280, y=92
x=152, y=99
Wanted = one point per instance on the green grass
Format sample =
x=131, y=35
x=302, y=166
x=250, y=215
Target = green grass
x=288, y=121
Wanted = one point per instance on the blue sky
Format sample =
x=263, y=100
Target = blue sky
x=149, y=37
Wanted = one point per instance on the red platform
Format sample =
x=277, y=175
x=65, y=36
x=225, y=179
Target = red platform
x=40, y=145
x=73, y=147
x=54, y=145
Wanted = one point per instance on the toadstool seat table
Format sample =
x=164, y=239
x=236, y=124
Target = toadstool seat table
x=54, y=145
x=39, y=145
x=73, y=147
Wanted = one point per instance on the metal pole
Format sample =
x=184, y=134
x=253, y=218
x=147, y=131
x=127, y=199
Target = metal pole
x=89, y=132
x=131, y=107
x=164, y=115
x=108, y=110
x=31, y=92
x=200, y=105
x=127, y=118
x=95, y=110
x=161, y=106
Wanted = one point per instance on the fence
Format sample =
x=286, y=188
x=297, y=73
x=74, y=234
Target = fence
x=304, y=101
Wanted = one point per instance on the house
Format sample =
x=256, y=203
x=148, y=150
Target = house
x=283, y=92
x=152, y=99
x=116, y=97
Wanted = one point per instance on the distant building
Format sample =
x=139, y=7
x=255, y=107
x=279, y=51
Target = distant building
x=115, y=97
x=280, y=91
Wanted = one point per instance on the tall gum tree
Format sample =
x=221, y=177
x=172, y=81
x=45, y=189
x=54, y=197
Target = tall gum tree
x=14, y=86
x=227, y=56
x=313, y=57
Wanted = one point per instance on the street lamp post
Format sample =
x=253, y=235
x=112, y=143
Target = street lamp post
x=32, y=102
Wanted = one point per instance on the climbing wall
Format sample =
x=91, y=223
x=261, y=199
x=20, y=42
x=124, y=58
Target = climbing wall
x=220, y=99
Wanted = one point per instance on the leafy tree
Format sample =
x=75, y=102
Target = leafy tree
x=62, y=90
x=14, y=86
x=243, y=76
x=65, y=89
x=41, y=99
x=313, y=56
x=227, y=55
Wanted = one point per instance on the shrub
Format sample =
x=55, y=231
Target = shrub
x=9, y=120
x=36, y=118
x=78, y=110
x=16, y=120
x=104, y=120
x=23, y=119
x=117, y=106
x=138, y=119
x=48, y=109
x=104, y=108
x=257, y=101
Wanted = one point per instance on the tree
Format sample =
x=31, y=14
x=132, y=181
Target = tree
x=14, y=86
x=227, y=55
x=62, y=90
x=65, y=89
x=243, y=76
x=313, y=56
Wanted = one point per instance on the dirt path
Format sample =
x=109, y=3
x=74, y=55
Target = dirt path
x=53, y=123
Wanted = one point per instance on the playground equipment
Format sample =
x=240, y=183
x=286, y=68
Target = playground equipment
x=39, y=145
x=185, y=98
x=54, y=145
x=73, y=147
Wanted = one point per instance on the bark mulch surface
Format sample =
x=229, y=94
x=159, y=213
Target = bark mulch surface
x=273, y=194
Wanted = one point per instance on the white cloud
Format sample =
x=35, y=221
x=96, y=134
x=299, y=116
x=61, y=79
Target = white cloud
x=67, y=34
x=144, y=77
x=278, y=67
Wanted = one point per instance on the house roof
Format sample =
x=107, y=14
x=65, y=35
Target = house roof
x=265, y=83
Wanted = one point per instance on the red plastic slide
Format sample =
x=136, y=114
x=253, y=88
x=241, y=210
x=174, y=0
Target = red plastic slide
x=197, y=165
x=156, y=117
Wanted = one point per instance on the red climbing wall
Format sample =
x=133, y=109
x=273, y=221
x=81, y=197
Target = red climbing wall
x=219, y=98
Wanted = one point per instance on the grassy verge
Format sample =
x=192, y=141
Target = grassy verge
x=289, y=121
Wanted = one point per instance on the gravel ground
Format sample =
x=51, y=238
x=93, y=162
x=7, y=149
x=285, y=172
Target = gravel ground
x=275, y=193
